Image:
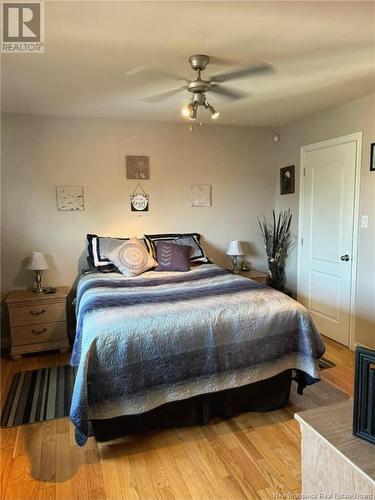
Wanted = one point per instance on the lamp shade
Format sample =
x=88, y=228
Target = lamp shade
x=235, y=248
x=37, y=262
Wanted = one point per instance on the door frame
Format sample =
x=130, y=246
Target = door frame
x=354, y=137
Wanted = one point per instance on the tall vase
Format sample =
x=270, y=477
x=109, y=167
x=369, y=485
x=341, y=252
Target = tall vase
x=277, y=278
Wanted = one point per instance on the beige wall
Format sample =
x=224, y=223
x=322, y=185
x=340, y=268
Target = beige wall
x=39, y=153
x=355, y=116
x=42, y=152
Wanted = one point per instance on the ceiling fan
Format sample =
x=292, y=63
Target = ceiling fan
x=199, y=87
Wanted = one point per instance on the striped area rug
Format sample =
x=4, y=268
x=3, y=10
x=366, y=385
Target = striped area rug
x=45, y=394
x=38, y=395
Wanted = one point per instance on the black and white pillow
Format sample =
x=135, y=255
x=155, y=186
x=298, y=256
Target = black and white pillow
x=98, y=247
x=189, y=239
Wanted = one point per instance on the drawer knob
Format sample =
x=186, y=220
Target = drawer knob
x=36, y=313
x=39, y=332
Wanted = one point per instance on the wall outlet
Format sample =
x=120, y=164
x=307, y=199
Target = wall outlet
x=364, y=221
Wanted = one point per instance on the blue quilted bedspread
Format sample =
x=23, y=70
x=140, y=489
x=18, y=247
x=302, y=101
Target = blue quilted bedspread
x=161, y=337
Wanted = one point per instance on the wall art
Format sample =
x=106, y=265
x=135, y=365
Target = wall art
x=139, y=200
x=287, y=182
x=137, y=167
x=70, y=198
x=200, y=195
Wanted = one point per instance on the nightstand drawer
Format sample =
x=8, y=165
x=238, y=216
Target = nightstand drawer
x=35, y=314
x=45, y=332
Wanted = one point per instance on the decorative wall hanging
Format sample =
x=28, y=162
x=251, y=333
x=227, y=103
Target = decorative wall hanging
x=287, y=183
x=139, y=200
x=70, y=198
x=372, y=156
x=200, y=195
x=137, y=167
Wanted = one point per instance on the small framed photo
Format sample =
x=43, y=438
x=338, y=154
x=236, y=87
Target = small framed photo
x=200, y=195
x=287, y=180
x=137, y=167
x=70, y=198
x=372, y=157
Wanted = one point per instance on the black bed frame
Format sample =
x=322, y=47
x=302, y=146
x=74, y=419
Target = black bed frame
x=265, y=395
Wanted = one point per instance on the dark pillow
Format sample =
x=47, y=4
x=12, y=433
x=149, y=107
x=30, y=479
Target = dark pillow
x=110, y=268
x=189, y=239
x=172, y=257
x=98, y=247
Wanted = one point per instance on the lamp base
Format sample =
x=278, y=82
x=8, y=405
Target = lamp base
x=235, y=268
x=38, y=281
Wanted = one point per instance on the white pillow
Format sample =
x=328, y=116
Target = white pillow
x=132, y=258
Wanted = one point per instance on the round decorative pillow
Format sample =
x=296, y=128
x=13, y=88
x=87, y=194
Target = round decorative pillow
x=132, y=258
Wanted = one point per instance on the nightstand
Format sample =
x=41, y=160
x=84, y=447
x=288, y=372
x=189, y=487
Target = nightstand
x=254, y=274
x=37, y=321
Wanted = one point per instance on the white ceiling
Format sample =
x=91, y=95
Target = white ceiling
x=323, y=54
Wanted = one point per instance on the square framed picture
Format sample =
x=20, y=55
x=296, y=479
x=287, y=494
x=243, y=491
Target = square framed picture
x=70, y=198
x=200, y=195
x=372, y=157
x=287, y=180
x=137, y=167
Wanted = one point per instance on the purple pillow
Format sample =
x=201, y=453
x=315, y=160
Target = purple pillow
x=172, y=257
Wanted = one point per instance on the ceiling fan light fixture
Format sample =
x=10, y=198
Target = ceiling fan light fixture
x=193, y=114
x=214, y=114
x=186, y=110
x=193, y=111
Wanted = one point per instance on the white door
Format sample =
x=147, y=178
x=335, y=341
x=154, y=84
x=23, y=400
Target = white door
x=327, y=233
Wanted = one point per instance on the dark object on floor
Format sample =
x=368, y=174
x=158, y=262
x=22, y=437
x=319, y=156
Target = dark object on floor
x=325, y=363
x=38, y=395
x=364, y=395
x=266, y=395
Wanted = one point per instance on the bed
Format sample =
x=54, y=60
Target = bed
x=172, y=348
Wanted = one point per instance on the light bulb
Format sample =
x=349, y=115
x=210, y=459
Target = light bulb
x=193, y=114
x=186, y=110
x=214, y=114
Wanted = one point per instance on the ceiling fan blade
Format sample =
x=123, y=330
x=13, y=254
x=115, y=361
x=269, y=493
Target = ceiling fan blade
x=255, y=69
x=173, y=77
x=220, y=61
x=229, y=93
x=163, y=95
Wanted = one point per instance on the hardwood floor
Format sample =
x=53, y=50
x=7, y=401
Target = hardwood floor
x=255, y=455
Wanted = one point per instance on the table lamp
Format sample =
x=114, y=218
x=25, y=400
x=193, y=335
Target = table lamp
x=235, y=250
x=37, y=263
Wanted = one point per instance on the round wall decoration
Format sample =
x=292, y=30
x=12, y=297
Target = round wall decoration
x=139, y=202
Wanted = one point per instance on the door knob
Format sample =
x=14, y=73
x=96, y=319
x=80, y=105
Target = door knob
x=345, y=257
